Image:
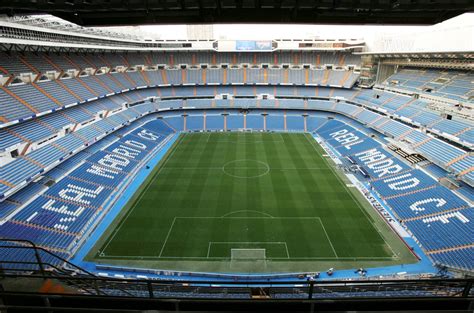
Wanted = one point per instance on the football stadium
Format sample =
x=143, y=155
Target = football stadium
x=194, y=173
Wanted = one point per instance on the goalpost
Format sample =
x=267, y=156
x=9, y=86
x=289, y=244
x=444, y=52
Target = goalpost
x=244, y=260
x=248, y=254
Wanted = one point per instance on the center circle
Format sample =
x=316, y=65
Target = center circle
x=246, y=168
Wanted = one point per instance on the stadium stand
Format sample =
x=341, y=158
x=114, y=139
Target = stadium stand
x=414, y=111
x=438, y=219
x=449, y=84
x=58, y=217
x=418, y=200
x=76, y=116
x=82, y=77
x=75, y=128
x=89, y=117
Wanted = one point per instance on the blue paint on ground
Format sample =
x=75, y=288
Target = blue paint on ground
x=423, y=266
x=140, y=177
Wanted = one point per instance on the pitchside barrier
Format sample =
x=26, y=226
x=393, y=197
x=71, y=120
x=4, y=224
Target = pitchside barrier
x=43, y=267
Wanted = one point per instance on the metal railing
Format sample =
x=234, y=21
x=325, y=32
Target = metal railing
x=22, y=260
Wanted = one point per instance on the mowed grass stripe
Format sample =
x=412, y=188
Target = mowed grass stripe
x=299, y=184
x=355, y=213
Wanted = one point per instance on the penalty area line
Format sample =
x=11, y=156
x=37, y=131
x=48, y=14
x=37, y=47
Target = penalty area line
x=166, y=239
x=143, y=192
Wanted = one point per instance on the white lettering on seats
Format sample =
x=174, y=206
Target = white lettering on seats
x=346, y=138
x=348, y=146
x=404, y=184
x=62, y=209
x=102, y=171
x=370, y=156
x=385, y=167
x=338, y=133
x=148, y=135
x=444, y=218
x=64, y=220
x=117, y=162
x=77, y=193
x=136, y=144
x=126, y=151
x=416, y=206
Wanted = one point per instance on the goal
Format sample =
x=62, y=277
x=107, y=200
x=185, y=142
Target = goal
x=247, y=254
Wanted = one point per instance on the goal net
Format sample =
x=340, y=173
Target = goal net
x=247, y=254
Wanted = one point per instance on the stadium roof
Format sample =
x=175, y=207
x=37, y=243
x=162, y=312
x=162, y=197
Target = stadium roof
x=130, y=12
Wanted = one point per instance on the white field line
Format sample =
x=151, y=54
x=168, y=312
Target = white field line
x=167, y=236
x=244, y=141
x=154, y=257
x=287, y=252
x=241, y=211
x=244, y=168
x=122, y=222
x=228, y=217
x=248, y=242
x=356, y=201
x=208, y=249
x=249, y=142
x=329, y=239
x=250, y=217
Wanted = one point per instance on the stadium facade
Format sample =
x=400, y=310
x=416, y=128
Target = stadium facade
x=85, y=113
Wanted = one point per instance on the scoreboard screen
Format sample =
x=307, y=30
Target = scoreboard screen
x=252, y=45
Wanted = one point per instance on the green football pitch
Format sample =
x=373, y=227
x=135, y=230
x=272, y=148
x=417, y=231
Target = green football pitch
x=248, y=202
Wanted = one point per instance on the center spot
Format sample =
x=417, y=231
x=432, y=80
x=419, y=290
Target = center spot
x=246, y=168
